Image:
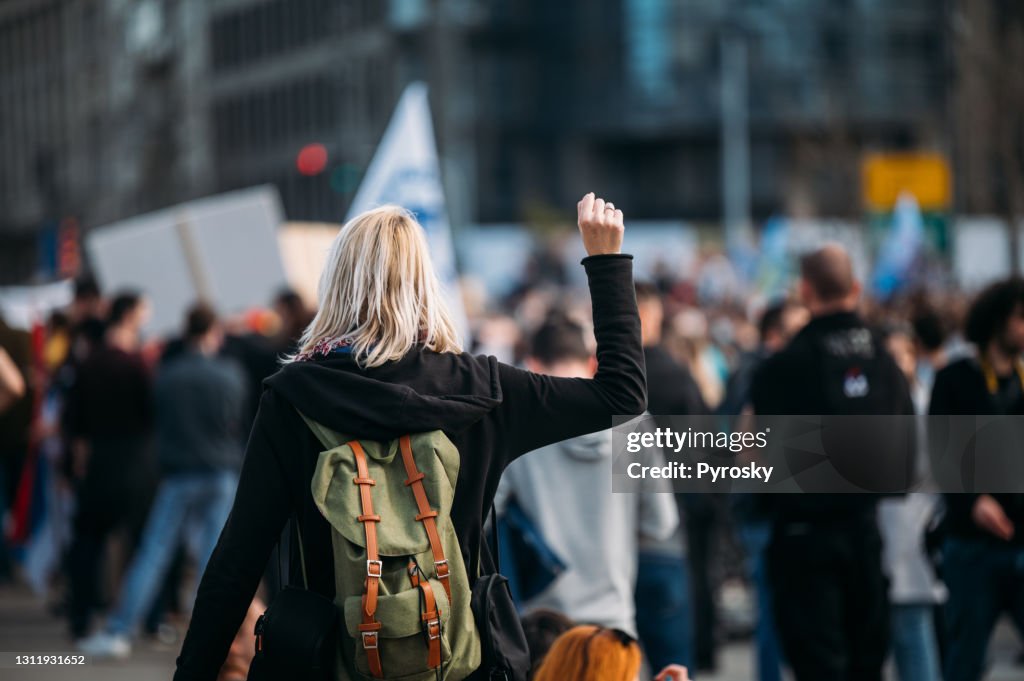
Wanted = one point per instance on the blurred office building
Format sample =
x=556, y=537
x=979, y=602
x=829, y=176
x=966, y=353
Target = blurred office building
x=677, y=108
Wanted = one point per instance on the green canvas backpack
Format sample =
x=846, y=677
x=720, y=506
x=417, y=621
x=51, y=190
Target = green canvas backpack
x=400, y=581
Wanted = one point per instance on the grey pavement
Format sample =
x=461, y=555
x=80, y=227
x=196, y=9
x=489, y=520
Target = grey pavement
x=27, y=627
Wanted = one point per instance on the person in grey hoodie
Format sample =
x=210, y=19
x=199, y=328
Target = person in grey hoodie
x=565, y=489
x=915, y=592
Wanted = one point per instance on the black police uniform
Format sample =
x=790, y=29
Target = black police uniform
x=824, y=560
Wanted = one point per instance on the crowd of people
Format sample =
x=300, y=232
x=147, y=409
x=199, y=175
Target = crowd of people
x=131, y=448
x=842, y=581
x=144, y=441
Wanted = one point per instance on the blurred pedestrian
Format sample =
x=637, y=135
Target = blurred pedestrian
x=591, y=653
x=704, y=514
x=983, y=553
x=914, y=590
x=294, y=317
x=824, y=559
x=86, y=327
x=930, y=335
x=777, y=326
x=200, y=409
x=558, y=487
x=542, y=629
x=12, y=383
x=672, y=388
x=694, y=346
x=669, y=602
x=256, y=355
x=109, y=420
x=16, y=398
x=86, y=315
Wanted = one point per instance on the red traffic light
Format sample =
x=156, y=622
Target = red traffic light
x=312, y=159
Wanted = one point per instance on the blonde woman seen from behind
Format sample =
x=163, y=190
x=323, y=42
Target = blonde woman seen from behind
x=381, y=359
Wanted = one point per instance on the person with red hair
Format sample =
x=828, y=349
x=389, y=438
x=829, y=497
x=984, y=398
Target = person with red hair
x=592, y=653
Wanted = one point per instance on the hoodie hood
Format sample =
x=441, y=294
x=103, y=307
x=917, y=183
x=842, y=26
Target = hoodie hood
x=589, y=447
x=421, y=392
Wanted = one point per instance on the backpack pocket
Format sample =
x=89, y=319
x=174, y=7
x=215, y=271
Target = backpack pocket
x=398, y=531
x=403, y=638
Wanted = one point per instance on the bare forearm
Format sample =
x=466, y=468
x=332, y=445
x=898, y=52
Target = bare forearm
x=12, y=383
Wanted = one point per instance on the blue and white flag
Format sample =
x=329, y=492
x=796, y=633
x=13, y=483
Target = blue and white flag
x=773, y=267
x=894, y=267
x=405, y=171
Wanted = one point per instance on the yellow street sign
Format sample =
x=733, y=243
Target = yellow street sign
x=884, y=176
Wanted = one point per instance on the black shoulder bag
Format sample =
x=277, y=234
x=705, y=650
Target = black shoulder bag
x=297, y=636
x=504, y=653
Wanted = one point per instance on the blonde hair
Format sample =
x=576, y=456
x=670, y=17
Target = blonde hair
x=379, y=292
x=590, y=653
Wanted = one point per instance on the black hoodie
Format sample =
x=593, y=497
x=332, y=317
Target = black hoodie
x=492, y=412
x=960, y=389
x=804, y=379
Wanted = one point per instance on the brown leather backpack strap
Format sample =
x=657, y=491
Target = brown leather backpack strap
x=431, y=616
x=370, y=632
x=370, y=627
x=426, y=513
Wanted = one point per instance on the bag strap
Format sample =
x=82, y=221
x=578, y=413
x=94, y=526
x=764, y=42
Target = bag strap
x=302, y=552
x=370, y=627
x=302, y=555
x=426, y=514
x=323, y=435
x=431, y=616
x=494, y=539
x=488, y=547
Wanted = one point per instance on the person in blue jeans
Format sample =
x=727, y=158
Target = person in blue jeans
x=755, y=534
x=665, y=621
x=985, y=580
x=200, y=408
x=983, y=553
x=914, y=589
x=666, y=590
x=779, y=322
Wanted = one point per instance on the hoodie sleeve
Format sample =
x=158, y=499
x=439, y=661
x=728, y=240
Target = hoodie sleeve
x=261, y=508
x=538, y=410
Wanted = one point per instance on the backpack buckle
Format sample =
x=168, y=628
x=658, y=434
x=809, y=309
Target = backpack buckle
x=370, y=640
x=370, y=564
x=432, y=626
x=438, y=564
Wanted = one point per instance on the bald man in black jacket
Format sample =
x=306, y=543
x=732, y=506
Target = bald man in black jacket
x=824, y=560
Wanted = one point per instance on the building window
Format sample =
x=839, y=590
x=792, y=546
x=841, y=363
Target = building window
x=267, y=29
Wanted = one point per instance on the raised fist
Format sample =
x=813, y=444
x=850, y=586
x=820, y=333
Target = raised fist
x=600, y=225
